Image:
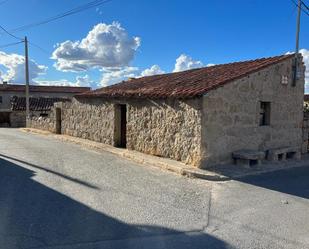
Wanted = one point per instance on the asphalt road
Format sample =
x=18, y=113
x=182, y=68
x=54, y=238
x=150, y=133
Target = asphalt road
x=63, y=196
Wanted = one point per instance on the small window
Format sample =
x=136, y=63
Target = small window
x=0, y=99
x=43, y=114
x=265, y=113
x=284, y=80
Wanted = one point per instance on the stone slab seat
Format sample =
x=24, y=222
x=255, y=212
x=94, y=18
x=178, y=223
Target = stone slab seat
x=248, y=157
x=283, y=153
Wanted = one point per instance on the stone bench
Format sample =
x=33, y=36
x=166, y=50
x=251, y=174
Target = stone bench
x=283, y=153
x=248, y=158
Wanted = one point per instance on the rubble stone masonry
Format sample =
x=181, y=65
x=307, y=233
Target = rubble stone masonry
x=231, y=114
x=203, y=131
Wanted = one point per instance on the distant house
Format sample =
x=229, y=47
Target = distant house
x=9, y=93
x=200, y=116
x=39, y=107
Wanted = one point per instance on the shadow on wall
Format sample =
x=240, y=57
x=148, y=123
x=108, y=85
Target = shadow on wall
x=35, y=216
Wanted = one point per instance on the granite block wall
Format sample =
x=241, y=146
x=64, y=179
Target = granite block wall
x=231, y=114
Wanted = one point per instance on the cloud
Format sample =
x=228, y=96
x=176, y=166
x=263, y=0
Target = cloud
x=61, y=82
x=80, y=81
x=84, y=81
x=116, y=75
x=113, y=76
x=185, y=62
x=305, y=53
x=155, y=69
x=15, y=65
x=105, y=46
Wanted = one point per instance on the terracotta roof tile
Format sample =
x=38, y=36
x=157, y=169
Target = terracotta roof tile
x=190, y=83
x=35, y=104
x=49, y=89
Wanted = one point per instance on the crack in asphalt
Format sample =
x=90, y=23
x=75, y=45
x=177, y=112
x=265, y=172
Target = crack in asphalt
x=208, y=209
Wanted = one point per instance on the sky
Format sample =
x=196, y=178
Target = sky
x=132, y=38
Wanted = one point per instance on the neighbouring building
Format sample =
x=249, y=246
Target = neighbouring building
x=8, y=91
x=39, y=108
x=200, y=116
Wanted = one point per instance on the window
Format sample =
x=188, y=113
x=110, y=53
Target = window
x=0, y=99
x=284, y=80
x=264, y=113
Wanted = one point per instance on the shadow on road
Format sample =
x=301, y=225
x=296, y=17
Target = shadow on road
x=294, y=181
x=35, y=216
x=51, y=171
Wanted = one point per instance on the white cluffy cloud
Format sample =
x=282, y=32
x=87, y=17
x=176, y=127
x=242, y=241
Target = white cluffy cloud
x=185, y=62
x=305, y=53
x=80, y=81
x=113, y=76
x=155, y=69
x=15, y=65
x=105, y=46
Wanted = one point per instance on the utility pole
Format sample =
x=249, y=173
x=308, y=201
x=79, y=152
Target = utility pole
x=27, y=77
x=297, y=42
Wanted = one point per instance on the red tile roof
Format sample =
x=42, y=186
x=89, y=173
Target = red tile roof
x=48, y=89
x=186, y=84
x=35, y=104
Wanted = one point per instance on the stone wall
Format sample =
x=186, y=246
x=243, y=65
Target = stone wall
x=202, y=131
x=231, y=114
x=18, y=119
x=43, y=123
x=91, y=119
x=167, y=128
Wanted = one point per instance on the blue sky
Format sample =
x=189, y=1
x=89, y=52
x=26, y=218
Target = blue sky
x=157, y=33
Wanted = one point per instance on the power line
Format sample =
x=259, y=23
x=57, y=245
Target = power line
x=10, y=34
x=303, y=4
x=10, y=44
x=37, y=46
x=75, y=10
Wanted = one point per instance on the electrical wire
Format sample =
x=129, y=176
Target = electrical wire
x=10, y=34
x=306, y=6
x=75, y=10
x=10, y=44
x=303, y=4
x=40, y=48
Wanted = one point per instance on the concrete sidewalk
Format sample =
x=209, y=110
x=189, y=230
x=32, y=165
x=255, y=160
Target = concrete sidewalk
x=218, y=173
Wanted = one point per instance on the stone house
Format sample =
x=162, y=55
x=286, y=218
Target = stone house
x=39, y=108
x=200, y=116
x=8, y=91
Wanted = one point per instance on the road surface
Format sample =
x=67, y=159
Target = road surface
x=59, y=195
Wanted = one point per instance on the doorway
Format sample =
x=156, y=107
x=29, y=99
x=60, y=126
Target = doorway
x=121, y=126
x=58, y=120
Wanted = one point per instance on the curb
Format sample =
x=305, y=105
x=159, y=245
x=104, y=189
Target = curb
x=165, y=163
x=138, y=157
